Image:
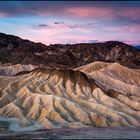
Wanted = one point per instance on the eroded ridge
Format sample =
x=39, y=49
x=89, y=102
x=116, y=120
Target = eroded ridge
x=57, y=98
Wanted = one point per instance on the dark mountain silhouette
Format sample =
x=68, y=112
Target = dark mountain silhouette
x=15, y=50
x=138, y=46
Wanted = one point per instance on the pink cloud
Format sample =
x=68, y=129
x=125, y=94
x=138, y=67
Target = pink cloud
x=4, y=14
x=97, y=12
x=132, y=28
x=53, y=35
x=133, y=13
x=104, y=12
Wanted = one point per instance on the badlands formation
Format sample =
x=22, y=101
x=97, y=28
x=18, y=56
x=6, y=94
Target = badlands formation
x=98, y=94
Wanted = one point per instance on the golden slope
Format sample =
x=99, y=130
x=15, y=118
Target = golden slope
x=94, y=66
x=65, y=98
x=117, y=77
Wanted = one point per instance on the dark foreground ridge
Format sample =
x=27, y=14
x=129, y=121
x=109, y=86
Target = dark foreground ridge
x=15, y=50
x=77, y=133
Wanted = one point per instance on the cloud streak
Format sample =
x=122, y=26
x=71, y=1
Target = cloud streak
x=42, y=25
x=63, y=25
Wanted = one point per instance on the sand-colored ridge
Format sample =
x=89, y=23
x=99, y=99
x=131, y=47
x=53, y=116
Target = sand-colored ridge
x=94, y=66
x=57, y=98
x=115, y=76
x=11, y=70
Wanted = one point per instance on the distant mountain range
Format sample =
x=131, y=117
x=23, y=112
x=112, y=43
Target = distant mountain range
x=138, y=46
x=14, y=50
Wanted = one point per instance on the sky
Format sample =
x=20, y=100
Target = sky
x=62, y=22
